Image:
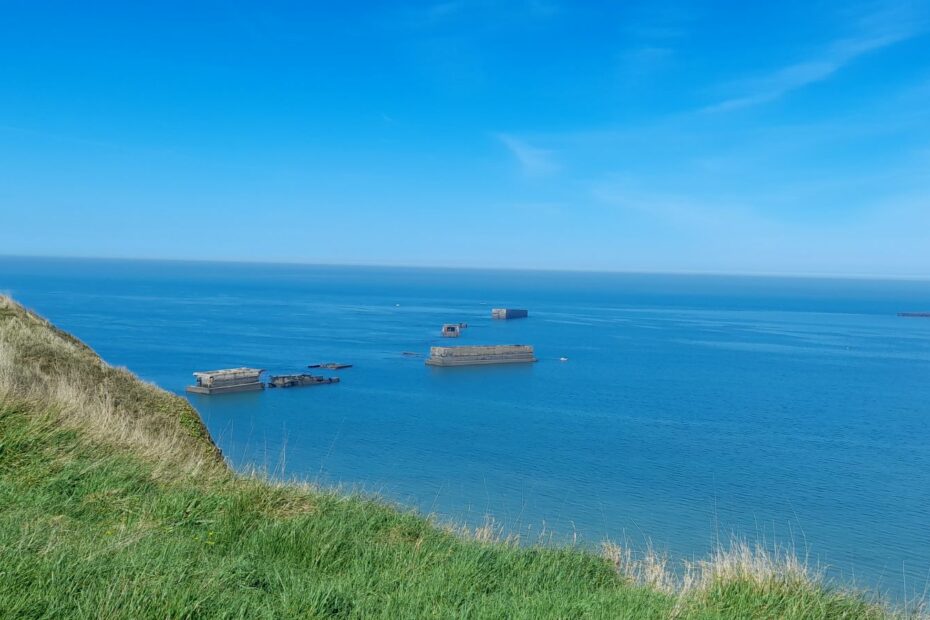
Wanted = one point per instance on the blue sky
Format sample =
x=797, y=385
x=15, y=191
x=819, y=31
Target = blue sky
x=789, y=137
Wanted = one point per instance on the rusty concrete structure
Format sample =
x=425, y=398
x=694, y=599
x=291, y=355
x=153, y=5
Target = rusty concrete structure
x=227, y=381
x=481, y=355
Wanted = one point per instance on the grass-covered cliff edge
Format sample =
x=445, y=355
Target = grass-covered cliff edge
x=115, y=503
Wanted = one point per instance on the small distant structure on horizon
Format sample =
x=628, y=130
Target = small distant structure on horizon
x=509, y=313
x=227, y=381
x=451, y=330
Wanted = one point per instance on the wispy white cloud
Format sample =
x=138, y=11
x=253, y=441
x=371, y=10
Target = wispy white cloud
x=534, y=161
x=708, y=234
x=651, y=35
x=877, y=30
x=678, y=210
x=779, y=84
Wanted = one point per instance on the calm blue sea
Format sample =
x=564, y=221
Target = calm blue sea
x=795, y=411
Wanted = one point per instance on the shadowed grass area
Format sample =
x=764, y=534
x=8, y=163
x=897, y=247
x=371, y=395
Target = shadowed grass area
x=115, y=503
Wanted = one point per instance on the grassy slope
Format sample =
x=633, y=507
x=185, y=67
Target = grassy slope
x=114, y=502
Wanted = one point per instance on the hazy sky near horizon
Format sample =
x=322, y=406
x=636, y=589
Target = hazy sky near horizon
x=788, y=137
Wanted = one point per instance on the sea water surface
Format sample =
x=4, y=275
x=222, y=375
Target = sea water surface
x=690, y=408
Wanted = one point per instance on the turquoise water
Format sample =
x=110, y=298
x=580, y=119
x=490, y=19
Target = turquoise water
x=795, y=411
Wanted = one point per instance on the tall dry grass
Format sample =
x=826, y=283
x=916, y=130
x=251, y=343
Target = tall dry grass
x=47, y=367
x=778, y=574
x=738, y=562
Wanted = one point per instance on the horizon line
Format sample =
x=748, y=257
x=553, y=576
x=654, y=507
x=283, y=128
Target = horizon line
x=450, y=267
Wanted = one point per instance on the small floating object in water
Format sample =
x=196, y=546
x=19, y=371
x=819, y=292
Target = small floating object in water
x=563, y=359
x=284, y=381
x=410, y=354
x=915, y=315
x=330, y=366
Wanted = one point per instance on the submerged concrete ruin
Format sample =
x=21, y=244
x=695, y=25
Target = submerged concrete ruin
x=451, y=330
x=285, y=381
x=509, y=313
x=481, y=355
x=227, y=381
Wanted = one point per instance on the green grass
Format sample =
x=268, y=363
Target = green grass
x=87, y=531
x=118, y=505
